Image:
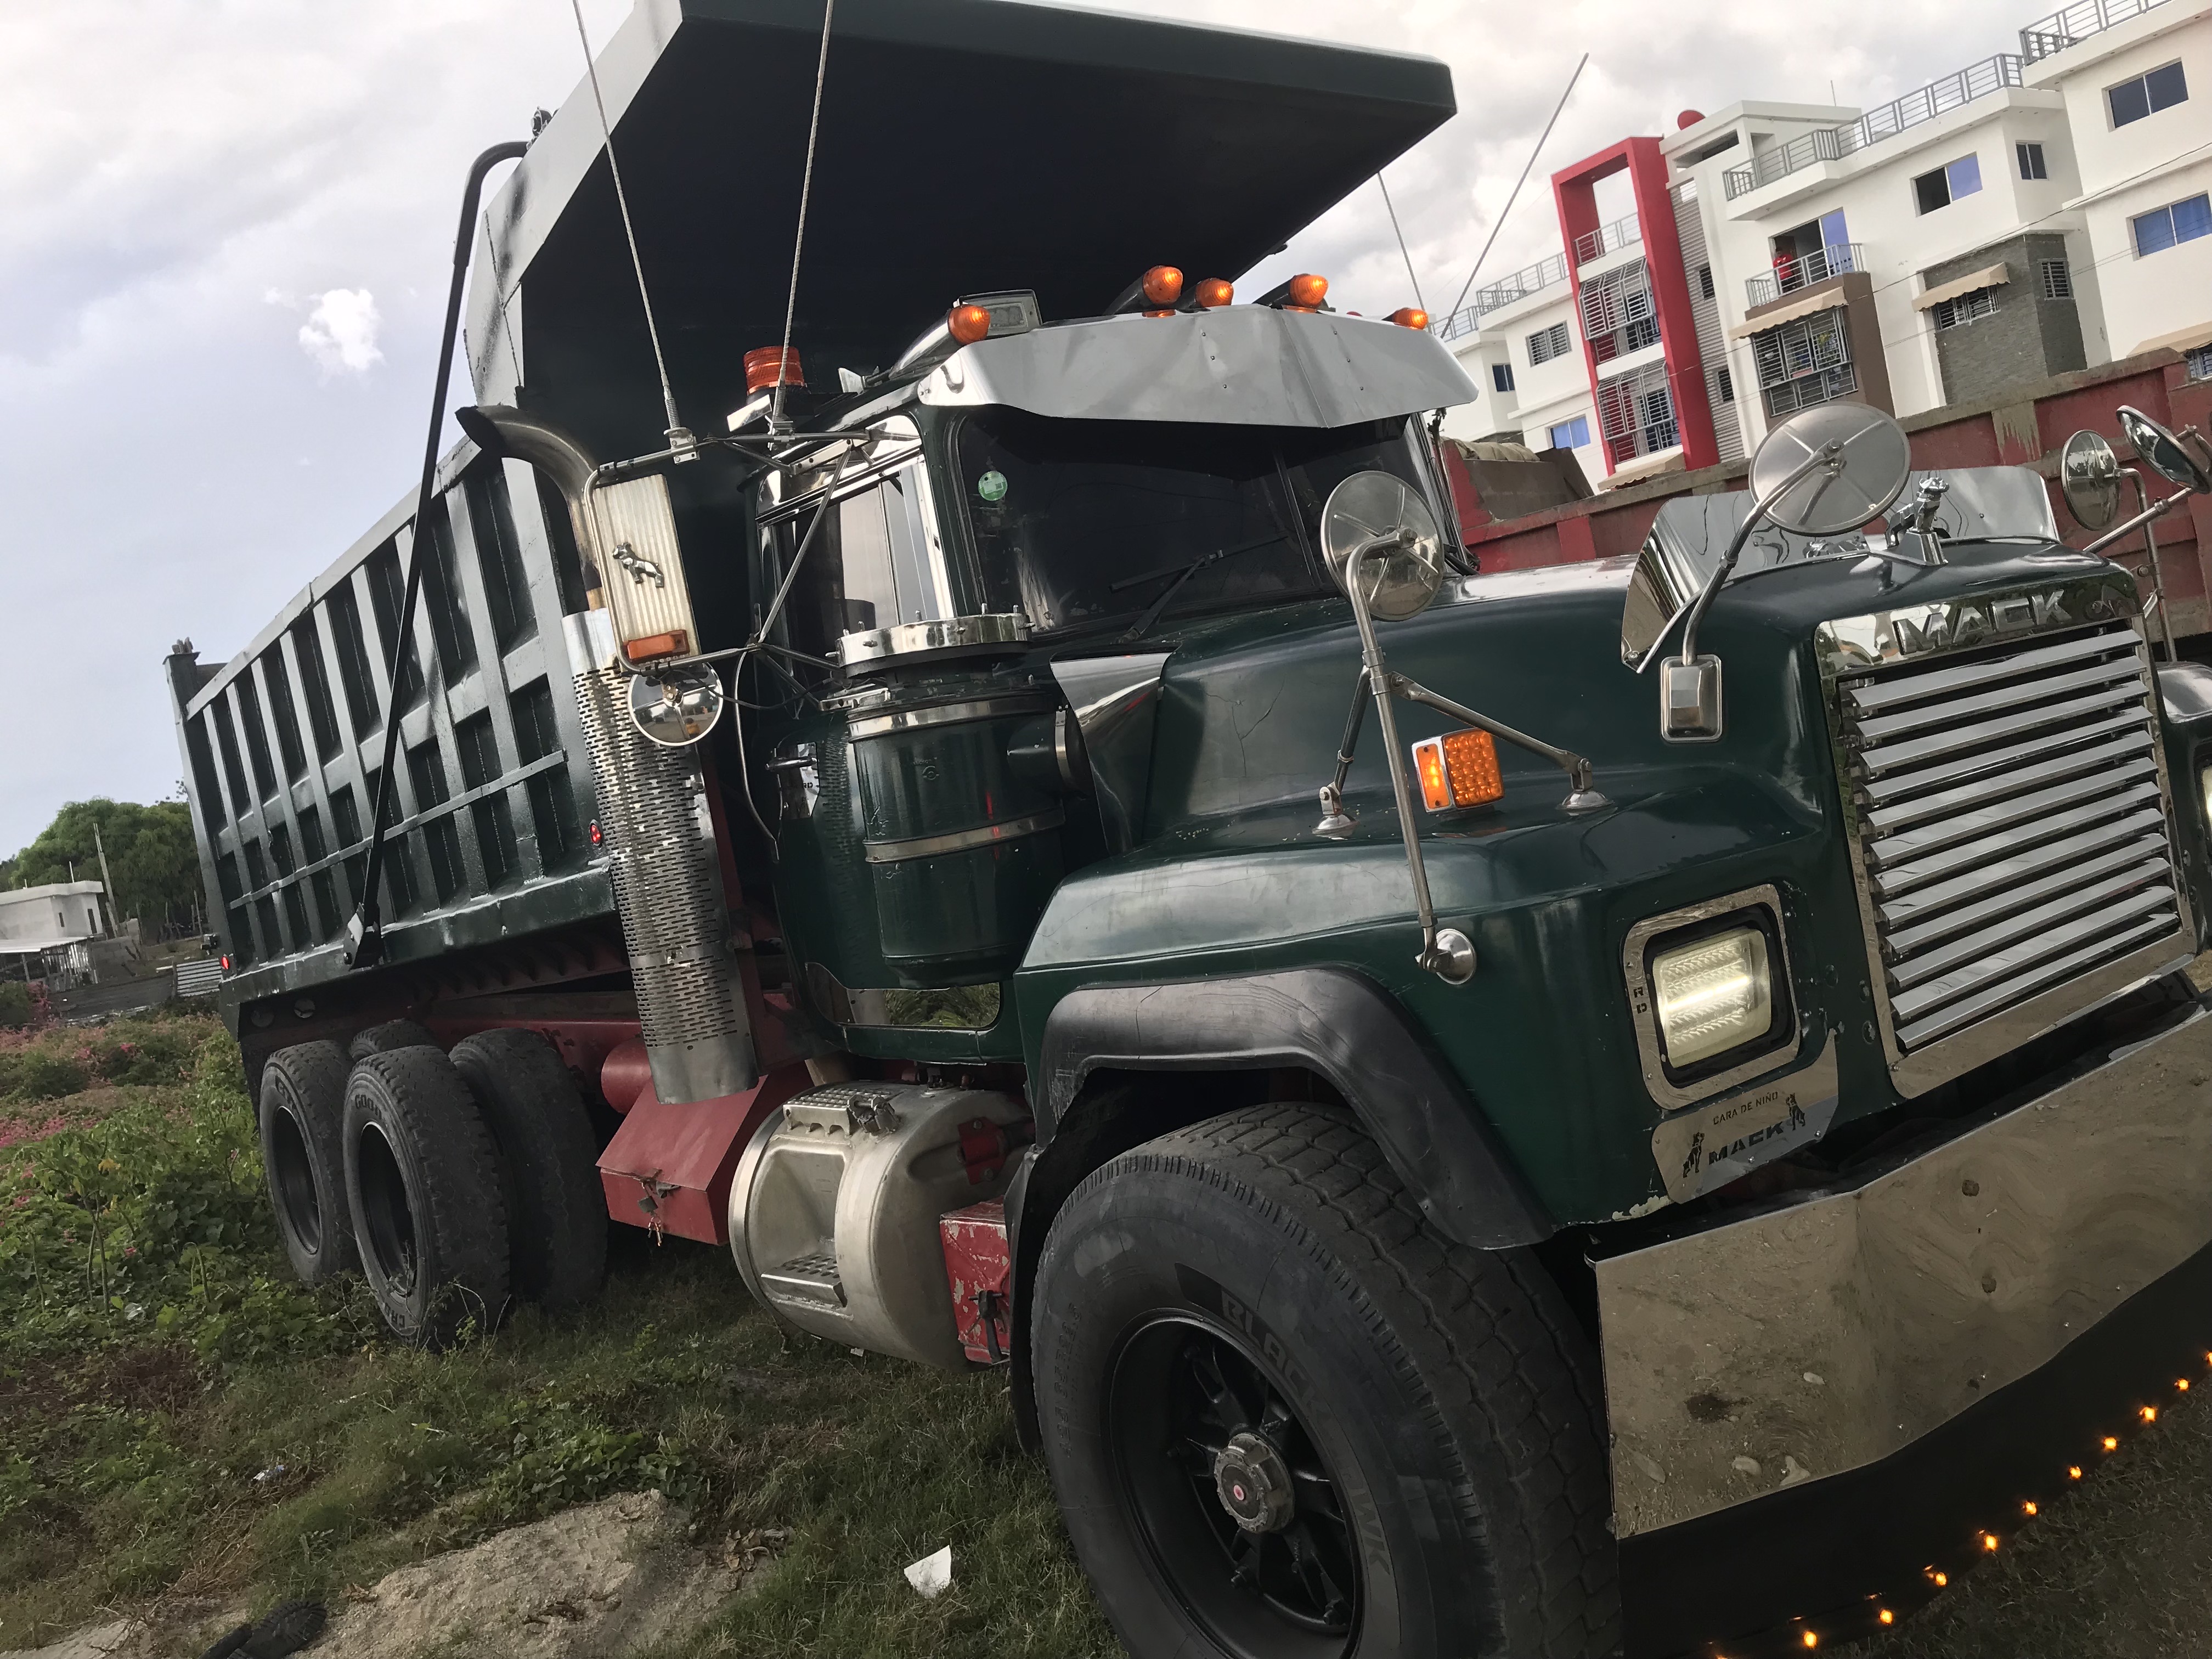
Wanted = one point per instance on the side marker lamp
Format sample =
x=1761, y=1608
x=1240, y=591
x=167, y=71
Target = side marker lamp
x=1458, y=770
x=1306, y=293
x=1410, y=317
x=968, y=324
x=1712, y=995
x=1162, y=285
x=1213, y=293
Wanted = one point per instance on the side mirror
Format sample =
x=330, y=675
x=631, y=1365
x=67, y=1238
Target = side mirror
x=678, y=706
x=2089, y=478
x=1821, y=472
x=1380, y=522
x=2162, y=451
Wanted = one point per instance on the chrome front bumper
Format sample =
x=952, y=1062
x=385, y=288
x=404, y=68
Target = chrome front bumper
x=1823, y=1336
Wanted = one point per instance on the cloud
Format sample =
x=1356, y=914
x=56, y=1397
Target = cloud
x=340, y=332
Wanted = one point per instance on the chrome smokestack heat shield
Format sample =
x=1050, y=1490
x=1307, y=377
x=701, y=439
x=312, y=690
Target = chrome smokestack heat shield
x=658, y=838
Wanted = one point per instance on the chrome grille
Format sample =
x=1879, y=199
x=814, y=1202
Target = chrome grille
x=2010, y=828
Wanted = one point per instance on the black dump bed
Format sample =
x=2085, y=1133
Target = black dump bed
x=966, y=145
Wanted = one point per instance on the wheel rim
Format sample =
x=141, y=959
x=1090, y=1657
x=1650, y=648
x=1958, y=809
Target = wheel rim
x=387, y=1218
x=292, y=1173
x=1203, y=1432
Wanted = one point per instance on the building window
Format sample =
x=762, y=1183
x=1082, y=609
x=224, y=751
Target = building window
x=2179, y=222
x=2057, y=281
x=1547, y=344
x=2199, y=359
x=1706, y=282
x=1726, y=381
x=1948, y=183
x=1571, y=434
x=1501, y=376
x=2147, y=94
x=1804, y=363
x=2031, y=161
x=1966, y=308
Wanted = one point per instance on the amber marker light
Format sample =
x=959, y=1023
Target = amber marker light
x=968, y=324
x=2112, y=1443
x=1214, y=294
x=1990, y=1540
x=2073, y=1471
x=1162, y=285
x=1941, y=1579
x=2182, y=1384
x=1410, y=317
x=1886, y=1616
x=1436, y=782
x=1307, y=291
x=2149, y=1413
x=1460, y=768
x=2028, y=1508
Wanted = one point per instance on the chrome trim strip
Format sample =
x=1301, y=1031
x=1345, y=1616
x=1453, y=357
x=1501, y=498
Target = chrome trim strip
x=1879, y=791
x=2145, y=854
x=2023, y=959
x=1997, y=996
x=1889, y=820
x=1889, y=756
x=877, y=644
x=959, y=841
x=2059, y=854
x=1884, y=728
x=2005, y=815
x=1879, y=695
x=945, y=714
x=1910, y=1298
x=1649, y=1049
x=2022, y=923
x=1941, y=896
x=1902, y=879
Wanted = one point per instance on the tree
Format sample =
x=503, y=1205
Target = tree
x=150, y=852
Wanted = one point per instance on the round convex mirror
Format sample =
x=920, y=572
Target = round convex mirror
x=2089, y=477
x=1867, y=461
x=2162, y=451
x=677, y=706
x=1369, y=507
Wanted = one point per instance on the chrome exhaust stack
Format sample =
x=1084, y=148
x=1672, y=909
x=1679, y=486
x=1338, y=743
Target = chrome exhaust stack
x=654, y=822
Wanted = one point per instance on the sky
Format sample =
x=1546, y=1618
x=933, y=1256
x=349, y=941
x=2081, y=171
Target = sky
x=225, y=226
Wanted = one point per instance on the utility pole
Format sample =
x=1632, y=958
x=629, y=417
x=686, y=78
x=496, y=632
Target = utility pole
x=107, y=882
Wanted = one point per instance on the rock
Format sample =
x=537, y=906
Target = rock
x=608, y=1579
x=1746, y=1465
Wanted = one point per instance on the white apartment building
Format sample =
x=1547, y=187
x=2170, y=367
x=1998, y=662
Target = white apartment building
x=2042, y=210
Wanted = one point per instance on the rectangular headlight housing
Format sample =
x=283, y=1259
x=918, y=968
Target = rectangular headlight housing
x=1712, y=995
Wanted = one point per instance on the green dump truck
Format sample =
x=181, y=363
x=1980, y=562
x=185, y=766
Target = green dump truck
x=1028, y=826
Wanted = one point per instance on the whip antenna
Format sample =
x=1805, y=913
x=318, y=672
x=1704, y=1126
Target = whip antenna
x=679, y=436
x=1499, y=224
x=799, y=239
x=1404, y=252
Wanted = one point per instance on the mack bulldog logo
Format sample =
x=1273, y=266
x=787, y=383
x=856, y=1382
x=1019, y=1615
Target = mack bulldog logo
x=1710, y=1146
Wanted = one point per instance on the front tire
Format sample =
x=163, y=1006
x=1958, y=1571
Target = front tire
x=1287, y=1420
x=423, y=1182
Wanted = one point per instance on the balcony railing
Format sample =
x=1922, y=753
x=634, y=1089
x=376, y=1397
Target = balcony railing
x=1530, y=279
x=1607, y=238
x=1795, y=271
x=2076, y=23
x=1925, y=104
x=1636, y=415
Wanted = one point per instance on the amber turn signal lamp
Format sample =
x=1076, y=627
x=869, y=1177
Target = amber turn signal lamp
x=2028, y=1508
x=2149, y=1413
x=1307, y=291
x=1988, y=1540
x=1941, y=1579
x=1458, y=770
x=1410, y=317
x=670, y=644
x=2112, y=1443
x=1886, y=1616
x=1214, y=294
x=968, y=324
x=1811, y=1640
x=2073, y=1471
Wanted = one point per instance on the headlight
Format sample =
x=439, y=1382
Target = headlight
x=1717, y=992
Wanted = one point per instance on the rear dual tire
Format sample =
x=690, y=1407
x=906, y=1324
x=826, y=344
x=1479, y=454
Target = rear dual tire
x=1248, y=1322
x=301, y=1114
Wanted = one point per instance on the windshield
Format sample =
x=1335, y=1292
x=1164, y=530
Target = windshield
x=1079, y=523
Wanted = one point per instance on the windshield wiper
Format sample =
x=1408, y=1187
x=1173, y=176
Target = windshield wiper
x=1183, y=573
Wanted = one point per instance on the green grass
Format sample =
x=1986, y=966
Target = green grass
x=156, y=1357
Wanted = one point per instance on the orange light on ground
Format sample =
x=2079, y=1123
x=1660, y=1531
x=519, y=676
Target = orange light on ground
x=2073, y=1471
x=2149, y=1413
x=1988, y=1540
x=1214, y=294
x=968, y=324
x=1811, y=1640
x=2028, y=1508
x=1941, y=1579
x=2112, y=1443
x=1307, y=291
x=1886, y=1616
x=1410, y=317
